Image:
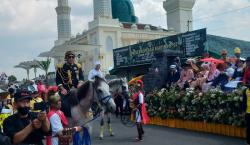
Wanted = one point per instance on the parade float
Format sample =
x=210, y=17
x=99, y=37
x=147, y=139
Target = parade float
x=212, y=112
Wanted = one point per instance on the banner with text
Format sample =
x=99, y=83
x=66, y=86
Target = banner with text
x=185, y=44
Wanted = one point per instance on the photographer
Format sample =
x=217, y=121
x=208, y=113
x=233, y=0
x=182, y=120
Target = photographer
x=25, y=127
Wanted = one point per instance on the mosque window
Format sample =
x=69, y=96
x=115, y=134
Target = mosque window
x=109, y=44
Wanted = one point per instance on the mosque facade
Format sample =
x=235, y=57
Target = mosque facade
x=114, y=25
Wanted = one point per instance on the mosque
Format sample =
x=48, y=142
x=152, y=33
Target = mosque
x=114, y=25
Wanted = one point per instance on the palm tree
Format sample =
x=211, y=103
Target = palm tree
x=44, y=65
x=26, y=66
x=35, y=65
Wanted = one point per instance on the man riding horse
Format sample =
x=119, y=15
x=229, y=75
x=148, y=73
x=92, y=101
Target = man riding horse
x=68, y=76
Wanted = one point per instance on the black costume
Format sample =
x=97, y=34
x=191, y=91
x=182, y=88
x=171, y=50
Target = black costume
x=69, y=75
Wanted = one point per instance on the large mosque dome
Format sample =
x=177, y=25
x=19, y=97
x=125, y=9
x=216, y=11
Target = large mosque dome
x=124, y=11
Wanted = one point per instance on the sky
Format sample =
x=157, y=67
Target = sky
x=28, y=27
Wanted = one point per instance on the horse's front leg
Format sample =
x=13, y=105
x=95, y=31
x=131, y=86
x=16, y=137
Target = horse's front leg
x=102, y=125
x=109, y=124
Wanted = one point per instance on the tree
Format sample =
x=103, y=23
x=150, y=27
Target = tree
x=44, y=65
x=12, y=79
x=35, y=65
x=26, y=66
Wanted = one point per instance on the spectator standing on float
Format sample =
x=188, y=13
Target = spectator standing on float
x=224, y=56
x=239, y=70
x=222, y=78
x=25, y=127
x=246, y=77
x=173, y=76
x=229, y=70
x=201, y=77
x=186, y=77
x=236, y=57
x=177, y=62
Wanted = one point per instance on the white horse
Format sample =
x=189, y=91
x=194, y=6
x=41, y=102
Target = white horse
x=117, y=87
x=81, y=100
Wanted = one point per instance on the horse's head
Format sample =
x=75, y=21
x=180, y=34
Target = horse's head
x=119, y=86
x=124, y=85
x=103, y=94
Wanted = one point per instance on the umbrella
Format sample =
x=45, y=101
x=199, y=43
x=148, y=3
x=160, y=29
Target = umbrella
x=212, y=60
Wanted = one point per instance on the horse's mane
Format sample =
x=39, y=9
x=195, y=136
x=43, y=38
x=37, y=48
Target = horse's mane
x=114, y=82
x=79, y=94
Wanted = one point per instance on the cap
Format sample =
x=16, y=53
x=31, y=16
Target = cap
x=242, y=59
x=237, y=50
x=172, y=66
x=68, y=53
x=21, y=95
x=97, y=63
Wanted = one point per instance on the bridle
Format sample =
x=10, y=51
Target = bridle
x=100, y=100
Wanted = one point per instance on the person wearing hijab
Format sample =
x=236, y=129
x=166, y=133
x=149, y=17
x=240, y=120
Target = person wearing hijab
x=95, y=72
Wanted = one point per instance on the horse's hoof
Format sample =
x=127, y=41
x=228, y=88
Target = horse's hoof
x=101, y=138
x=112, y=134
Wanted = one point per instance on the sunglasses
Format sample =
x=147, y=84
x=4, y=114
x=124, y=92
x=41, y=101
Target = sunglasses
x=71, y=57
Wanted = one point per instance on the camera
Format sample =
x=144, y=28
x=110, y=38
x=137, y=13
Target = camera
x=42, y=106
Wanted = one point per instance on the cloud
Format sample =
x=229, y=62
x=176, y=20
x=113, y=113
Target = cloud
x=223, y=17
x=155, y=13
x=29, y=27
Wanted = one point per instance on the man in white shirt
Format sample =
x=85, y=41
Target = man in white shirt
x=95, y=72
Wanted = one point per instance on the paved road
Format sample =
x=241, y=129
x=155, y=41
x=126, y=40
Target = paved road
x=156, y=135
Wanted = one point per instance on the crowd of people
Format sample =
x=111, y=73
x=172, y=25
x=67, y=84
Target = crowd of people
x=228, y=73
x=31, y=113
x=30, y=118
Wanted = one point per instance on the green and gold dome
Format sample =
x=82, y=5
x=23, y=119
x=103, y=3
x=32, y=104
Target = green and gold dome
x=124, y=11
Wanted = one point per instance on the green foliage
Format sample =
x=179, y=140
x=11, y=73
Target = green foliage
x=44, y=65
x=214, y=106
x=12, y=79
